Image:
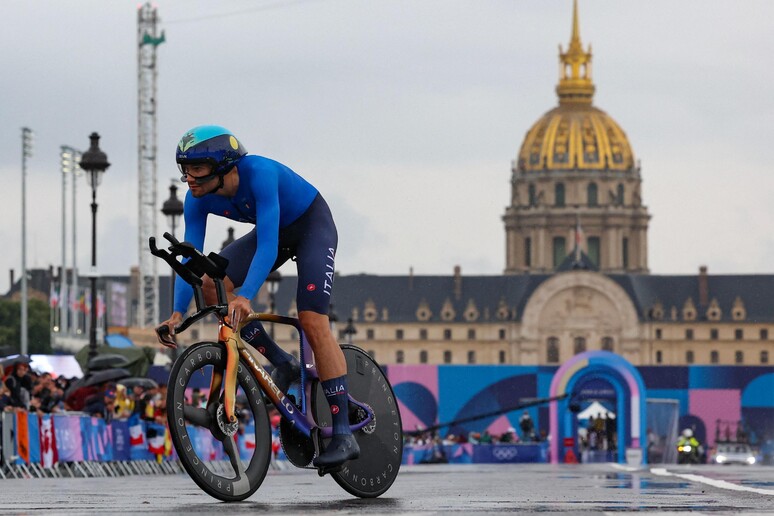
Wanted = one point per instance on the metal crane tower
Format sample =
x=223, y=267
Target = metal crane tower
x=148, y=38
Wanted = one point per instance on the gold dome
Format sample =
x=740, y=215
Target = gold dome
x=575, y=135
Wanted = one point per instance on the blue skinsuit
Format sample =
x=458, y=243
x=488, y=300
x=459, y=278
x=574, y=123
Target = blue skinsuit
x=271, y=196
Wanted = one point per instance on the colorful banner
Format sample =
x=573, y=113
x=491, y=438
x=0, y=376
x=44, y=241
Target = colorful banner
x=22, y=437
x=49, y=456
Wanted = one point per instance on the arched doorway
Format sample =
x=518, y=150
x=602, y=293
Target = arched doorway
x=607, y=369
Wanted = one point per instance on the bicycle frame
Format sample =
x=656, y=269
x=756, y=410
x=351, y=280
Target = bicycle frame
x=299, y=416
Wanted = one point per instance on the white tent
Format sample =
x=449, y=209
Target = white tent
x=596, y=409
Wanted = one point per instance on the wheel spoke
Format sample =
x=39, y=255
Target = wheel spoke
x=197, y=416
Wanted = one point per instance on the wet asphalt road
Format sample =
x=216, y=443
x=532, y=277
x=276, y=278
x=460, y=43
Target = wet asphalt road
x=421, y=489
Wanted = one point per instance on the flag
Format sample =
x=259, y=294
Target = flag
x=100, y=304
x=48, y=453
x=53, y=297
x=22, y=436
x=578, y=238
x=136, y=434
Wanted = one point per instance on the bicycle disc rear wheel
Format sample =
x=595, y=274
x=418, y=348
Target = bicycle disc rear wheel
x=381, y=442
x=228, y=463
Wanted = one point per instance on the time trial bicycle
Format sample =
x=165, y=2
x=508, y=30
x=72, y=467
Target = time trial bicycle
x=235, y=408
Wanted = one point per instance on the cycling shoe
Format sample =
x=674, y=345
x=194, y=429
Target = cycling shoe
x=341, y=449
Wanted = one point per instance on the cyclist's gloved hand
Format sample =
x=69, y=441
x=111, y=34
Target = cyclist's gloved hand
x=166, y=330
x=238, y=309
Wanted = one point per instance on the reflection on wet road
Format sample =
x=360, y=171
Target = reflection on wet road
x=422, y=489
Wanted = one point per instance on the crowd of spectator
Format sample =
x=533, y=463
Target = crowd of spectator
x=28, y=390
x=526, y=434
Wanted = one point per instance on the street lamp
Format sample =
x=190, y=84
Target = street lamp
x=172, y=209
x=350, y=330
x=26, y=153
x=94, y=162
x=272, y=282
x=333, y=318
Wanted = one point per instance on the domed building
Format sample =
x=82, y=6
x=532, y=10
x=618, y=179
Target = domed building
x=575, y=183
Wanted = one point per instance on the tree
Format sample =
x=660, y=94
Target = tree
x=38, y=333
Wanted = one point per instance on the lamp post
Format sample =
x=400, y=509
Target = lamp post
x=172, y=209
x=94, y=162
x=272, y=281
x=333, y=318
x=26, y=153
x=350, y=330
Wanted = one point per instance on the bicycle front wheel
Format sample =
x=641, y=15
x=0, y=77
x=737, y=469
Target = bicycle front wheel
x=227, y=461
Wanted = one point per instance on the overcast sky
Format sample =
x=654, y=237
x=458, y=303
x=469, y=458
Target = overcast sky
x=405, y=114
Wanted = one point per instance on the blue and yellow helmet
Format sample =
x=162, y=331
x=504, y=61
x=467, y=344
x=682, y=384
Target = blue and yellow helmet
x=210, y=144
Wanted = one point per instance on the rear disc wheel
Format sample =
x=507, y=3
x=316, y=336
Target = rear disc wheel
x=381, y=441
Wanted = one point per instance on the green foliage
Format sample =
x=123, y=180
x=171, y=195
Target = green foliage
x=38, y=333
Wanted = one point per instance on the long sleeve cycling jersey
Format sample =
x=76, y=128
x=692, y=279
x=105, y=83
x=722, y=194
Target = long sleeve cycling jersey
x=270, y=195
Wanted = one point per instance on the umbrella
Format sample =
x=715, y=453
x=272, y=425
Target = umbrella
x=136, y=381
x=107, y=361
x=108, y=375
x=14, y=359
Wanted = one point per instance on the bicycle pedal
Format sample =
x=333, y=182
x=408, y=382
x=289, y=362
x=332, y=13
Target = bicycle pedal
x=330, y=469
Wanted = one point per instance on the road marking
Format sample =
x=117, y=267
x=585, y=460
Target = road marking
x=721, y=484
x=624, y=467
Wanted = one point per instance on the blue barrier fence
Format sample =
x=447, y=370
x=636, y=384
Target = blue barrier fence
x=49, y=439
x=476, y=453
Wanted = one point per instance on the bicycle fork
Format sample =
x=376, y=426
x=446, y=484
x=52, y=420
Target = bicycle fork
x=227, y=337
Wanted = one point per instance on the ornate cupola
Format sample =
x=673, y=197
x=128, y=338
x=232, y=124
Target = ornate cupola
x=575, y=183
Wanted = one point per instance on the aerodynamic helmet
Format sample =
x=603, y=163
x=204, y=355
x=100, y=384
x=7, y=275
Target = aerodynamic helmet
x=210, y=144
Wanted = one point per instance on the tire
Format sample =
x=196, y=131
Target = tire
x=227, y=482
x=381, y=445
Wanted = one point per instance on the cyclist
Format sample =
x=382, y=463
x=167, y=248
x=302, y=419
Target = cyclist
x=292, y=220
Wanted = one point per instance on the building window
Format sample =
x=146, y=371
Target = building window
x=559, y=195
x=447, y=357
x=398, y=334
x=689, y=334
x=764, y=357
x=689, y=357
x=659, y=357
x=625, y=253
x=501, y=357
x=560, y=250
x=552, y=350
x=447, y=334
x=501, y=333
x=471, y=357
x=370, y=334
x=739, y=334
x=399, y=356
x=528, y=252
x=423, y=357
x=713, y=333
x=591, y=193
x=592, y=246
x=620, y=195
x=471, y=334
x=658, y=333
x=422, y=334
x=739, y=357
x=714, y=357
x=579, y=345
x=532, y=195
x=764, y=334
x=607, y=343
